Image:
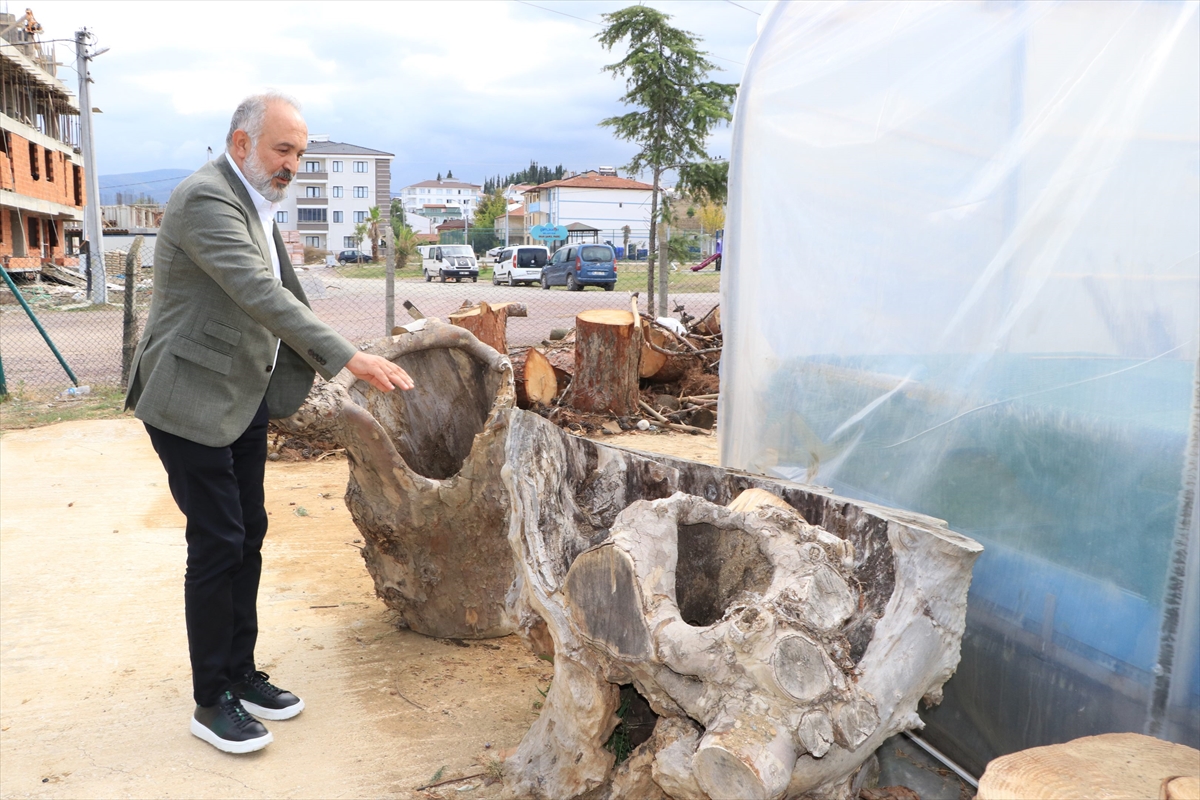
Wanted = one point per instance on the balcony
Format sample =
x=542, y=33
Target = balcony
x=312, y=226
x=312, y=176
x=312, y=201
x=533, y=208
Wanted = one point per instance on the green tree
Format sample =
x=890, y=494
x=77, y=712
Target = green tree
x=666, y=81
x=405, y=245
x=491, y=207
x=360, y=233
x=374, y=226
x=706, y=181
x=449, y=174
x=439, y=177
x=397, y=218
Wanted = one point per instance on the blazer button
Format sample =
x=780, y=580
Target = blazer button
x=268, y=367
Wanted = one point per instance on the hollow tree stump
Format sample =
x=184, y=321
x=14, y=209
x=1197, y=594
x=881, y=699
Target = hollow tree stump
x=777, y=654
x=425, y=487
x=607, y=348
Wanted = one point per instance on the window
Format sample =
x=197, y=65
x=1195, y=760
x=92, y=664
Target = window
x=77, y=174
x=50, y=168
x=460, y=191
x=337, y=166
x=312, y=166
x=360, y=216
x=360, y=166
x=335, y=191
x=312, y=241
x=312, y=191
x=310, y=215
x=349, y=242
x=281, y=216
x=360, y=191
x=33, y=163
x=337, y=216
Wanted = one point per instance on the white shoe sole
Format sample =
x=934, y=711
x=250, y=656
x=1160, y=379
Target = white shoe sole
x=226, y=746
x=273, y=713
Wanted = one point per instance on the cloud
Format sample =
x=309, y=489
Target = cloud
x=477, y=87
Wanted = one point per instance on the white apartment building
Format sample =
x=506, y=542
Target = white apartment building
x=337, y=185
x=598, y=205
x=448, y=199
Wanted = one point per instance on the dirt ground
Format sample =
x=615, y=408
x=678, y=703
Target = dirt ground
x=95, y=694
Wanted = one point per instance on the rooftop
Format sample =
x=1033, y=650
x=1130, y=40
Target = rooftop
x=451, y=184
x=320, y=145
x=594, y=180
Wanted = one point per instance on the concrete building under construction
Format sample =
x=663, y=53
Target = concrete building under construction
x=41, y=166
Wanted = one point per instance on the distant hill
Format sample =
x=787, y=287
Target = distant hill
x=132, y=186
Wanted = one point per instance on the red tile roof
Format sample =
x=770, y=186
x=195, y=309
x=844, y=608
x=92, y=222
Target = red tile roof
x=594, y=180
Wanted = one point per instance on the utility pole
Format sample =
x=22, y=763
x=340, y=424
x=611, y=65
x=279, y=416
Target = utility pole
x=93, y=228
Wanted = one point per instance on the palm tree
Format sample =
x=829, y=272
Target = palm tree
x=374, y=223
x=405, y=246
x=360, y=233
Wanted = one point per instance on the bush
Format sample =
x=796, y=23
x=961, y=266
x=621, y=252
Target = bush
x=315, y=255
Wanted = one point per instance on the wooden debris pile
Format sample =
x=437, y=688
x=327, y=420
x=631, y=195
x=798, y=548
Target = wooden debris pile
x=617, y=369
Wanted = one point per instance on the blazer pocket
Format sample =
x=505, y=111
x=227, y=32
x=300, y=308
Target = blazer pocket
x=225, y=333
x=191, y=350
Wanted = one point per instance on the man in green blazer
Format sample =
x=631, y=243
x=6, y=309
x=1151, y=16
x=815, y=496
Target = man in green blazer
x=230, y=343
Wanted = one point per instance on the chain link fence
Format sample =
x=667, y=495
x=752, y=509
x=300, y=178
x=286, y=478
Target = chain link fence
x=95, y=341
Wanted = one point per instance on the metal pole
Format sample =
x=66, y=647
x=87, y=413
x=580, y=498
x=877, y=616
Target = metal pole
x=21, y=299
x=93, y=228
x=389, y=285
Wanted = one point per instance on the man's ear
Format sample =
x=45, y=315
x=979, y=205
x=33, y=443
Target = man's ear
x=241, y=144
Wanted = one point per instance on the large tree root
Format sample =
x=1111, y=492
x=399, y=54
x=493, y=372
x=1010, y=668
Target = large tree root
x=768, y=641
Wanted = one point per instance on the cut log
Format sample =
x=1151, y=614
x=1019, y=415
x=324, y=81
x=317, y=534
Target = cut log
x=710, y=323
x=487, y=323
x=559, y=363
x=607, y=348
x=1109, y=765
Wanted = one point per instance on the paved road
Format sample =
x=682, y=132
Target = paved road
x=90, y=338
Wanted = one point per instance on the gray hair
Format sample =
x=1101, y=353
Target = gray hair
x=252, y=111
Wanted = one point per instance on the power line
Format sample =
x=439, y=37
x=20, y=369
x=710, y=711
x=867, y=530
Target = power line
x=743, y=8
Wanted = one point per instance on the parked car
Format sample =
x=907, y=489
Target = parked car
x=520, y=265
x=450, y=261
x=353, y=257
x=495, y=252
x=581, y=265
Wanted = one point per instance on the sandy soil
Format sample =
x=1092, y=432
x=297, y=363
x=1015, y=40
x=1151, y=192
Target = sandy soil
x=96, y=694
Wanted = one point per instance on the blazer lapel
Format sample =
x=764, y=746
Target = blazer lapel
x=239, y=191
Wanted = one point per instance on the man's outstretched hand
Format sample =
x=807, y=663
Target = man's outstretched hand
x=379, y=372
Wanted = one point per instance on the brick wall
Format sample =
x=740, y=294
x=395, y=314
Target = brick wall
x=55, y=172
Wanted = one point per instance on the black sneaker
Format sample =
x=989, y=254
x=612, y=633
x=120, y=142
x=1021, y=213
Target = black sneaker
x=265, y=700
x=227, y=727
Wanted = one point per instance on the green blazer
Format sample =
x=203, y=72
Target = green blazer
x=204, y=362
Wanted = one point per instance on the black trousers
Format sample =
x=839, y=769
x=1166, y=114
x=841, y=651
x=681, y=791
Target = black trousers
x=220, y=491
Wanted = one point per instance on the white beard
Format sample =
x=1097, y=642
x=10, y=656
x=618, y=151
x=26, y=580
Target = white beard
x=256, y=176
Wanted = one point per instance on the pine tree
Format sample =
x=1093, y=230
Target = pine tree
x=666, y=80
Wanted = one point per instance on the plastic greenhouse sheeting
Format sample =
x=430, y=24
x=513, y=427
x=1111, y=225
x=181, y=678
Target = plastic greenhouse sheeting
x=963, y=278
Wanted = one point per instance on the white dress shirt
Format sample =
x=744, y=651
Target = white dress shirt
x=266, y=215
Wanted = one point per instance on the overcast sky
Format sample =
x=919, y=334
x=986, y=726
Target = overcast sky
x=477, y=87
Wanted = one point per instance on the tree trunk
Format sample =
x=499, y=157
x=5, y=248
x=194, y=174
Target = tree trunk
x=659, y=367
x=487, y=323
x=129, y=331
x=653, y=244
x=778, y=643
x=425, y=488
x=607, y=346
x=534, y=378
x=777, y=646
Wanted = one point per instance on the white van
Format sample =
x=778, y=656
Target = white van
x=449, y=261
x=520, y=264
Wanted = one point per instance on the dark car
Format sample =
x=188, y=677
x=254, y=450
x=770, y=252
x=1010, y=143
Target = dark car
x=353, y=257
x=580, y=265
